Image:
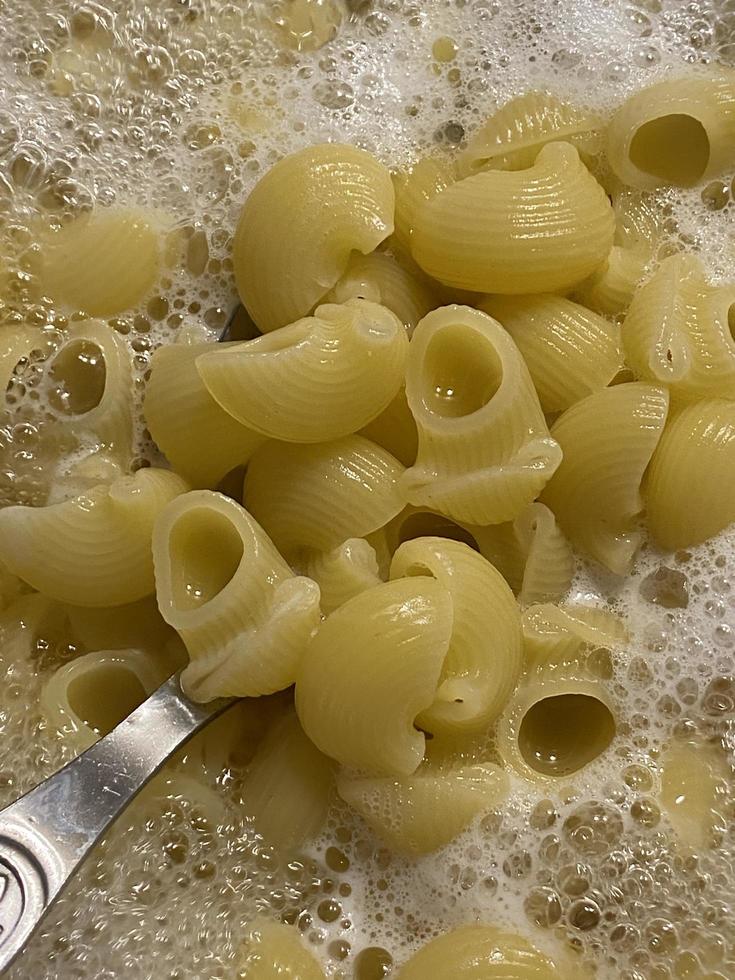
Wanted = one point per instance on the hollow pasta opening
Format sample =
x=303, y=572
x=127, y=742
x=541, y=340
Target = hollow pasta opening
x=462, y=372
x=429, y=525
x=78, y=377
x=103, y=695
x=205, y=552
x=674, y=148
x=565, y=732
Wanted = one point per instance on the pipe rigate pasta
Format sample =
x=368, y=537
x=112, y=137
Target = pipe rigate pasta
x=320, y=378
x=372, y=667
x=300, y=225
x=561, y=634
x=414, y=187
x=395, y=430
x=526, y=231
x=484, y=447
x=693, y=792
x=244, y=617
x=343, y=572
x=274, y=950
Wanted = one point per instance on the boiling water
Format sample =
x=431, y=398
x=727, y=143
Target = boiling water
x=180, y=105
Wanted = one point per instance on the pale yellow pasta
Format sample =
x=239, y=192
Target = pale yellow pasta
x=424, y=812
x=198, y=438
x=300, y=225
x=678, y=331
x=287, y=787
x=528, y=231
x=317, y=496
x=513, y=136
x=607, y=440
x=482, y=952
x=680, y=131
x=137, y=624
x=11, y=587
x=532, y=554
x=414, y=187
x=274, y=951
x=344, y=572
x=569, y=350
x=482, y=666
x=484, y=447
x=373, y=666
x=306, y=25
x=690, y=491
x=561, y=634
x=694, y=793
x=244, y=617
x=103, y=263
x=381, y=278
x=93, y=550
x=320, y=378
x=395, y=430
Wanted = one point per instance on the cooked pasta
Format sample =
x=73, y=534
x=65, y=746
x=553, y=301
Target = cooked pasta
x=199, y=439
x=244, y=617
x=93, y=550
x=274, y=951
x=420, y=813
x=513, y=136
x=481, y=667
x=136, y=625
x=320, y=378
x=528, y=231
x=11, y=587
x=395, y=430
x=82, y=263
x=344, y=572
x=680, y=131
x=318, y=496
x=372, y=668
x=334, y=197
x=307, y=25
x=607, y=439
x=694, y=792
x=569, y=350
x=562, y=634
x=484, y=447
x=414, y=187
x=689, y=491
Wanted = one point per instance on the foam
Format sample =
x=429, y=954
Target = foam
x=113, y=102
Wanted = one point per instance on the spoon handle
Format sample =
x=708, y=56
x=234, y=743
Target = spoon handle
x=46, y=834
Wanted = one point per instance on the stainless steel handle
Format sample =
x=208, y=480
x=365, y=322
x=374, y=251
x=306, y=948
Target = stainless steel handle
x=46, y=834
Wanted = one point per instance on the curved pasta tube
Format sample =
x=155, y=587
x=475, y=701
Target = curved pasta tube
x=607, y=439
x=373, y=666
x=569, y=350
x=274, y=951
x=287, y=787
x=678, y=331
x=414, y=187
x=320, y=378
x=307, y=25
x=513, y=136
x=560, y=634
x=527, y=231
x=344, y=572
x=689, y=491
x=198, y=438
x=484, y=447
x=680, y=131
x=475, y=951
x=317, y=496
x=482, y=665
x=532, y=554
x=11, y=587
x=94, y=550
x=137, y=625
x=82, y=263
x=300, y=225
x=244, y=617
x=693, y=792
x=424, y=812
x=395, y=430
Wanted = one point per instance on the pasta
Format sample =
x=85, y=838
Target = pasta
x=273, y=951
x=481, y=667
x=513, y=136
x=693, y=792
x=344, y=572
x=138, y=625
x=244, y=617
x=484, y=447
x=413, y=188
x=395, y=430
x=307, y=25
x=335, y=197
x=689, y=492
x=561, y=634
x=318, y=496
x=424, y=812
x=536, y=230
x=94, y=550
x=287, y=786
x=373, y=666
x=679, y=131
x=320, y=378
x=607, y=439
x=81, y=264
x=569, y=350
x=199, y=439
